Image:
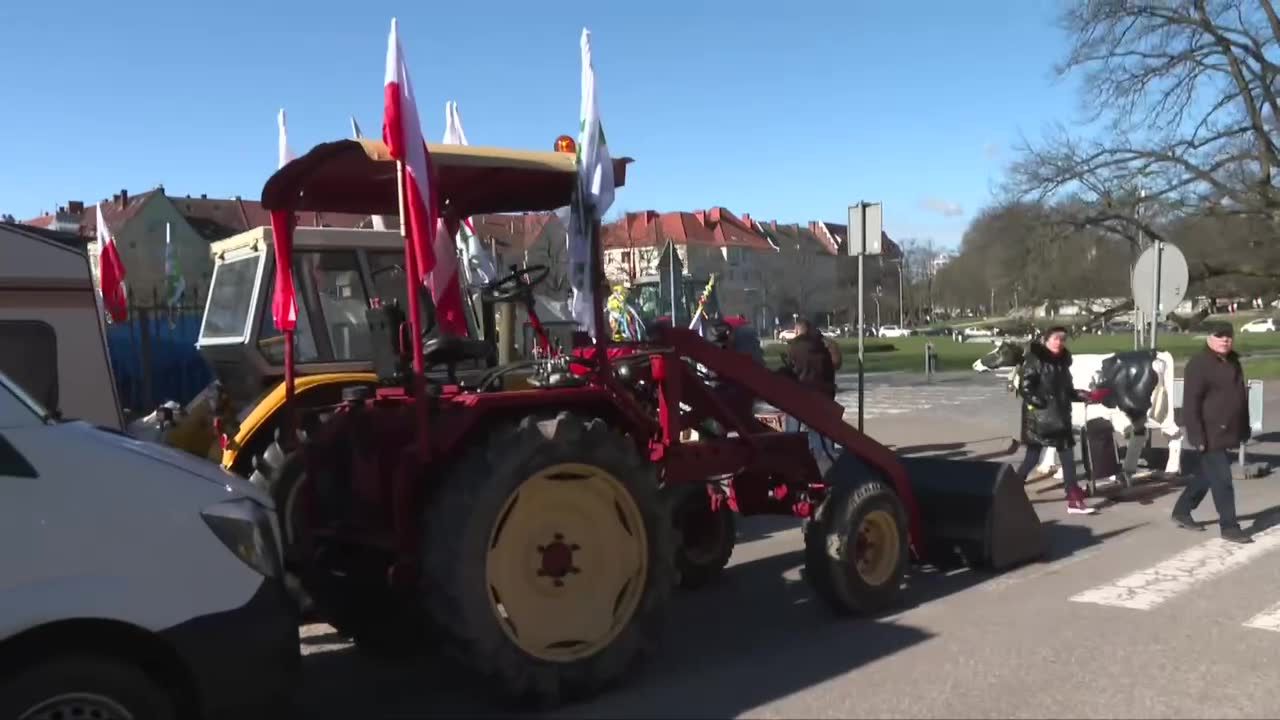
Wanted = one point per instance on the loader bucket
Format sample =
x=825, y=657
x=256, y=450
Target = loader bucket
x=979, y=508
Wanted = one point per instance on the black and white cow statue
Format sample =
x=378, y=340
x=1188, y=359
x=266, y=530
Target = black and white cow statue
x=1136, y=389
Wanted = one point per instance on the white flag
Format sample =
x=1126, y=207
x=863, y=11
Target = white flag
x=595, y=194
x=475, y=257
x=285, y=155
x=379, y=221
x=175, y=281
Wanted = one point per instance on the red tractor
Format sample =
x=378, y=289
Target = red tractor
x=534, y=531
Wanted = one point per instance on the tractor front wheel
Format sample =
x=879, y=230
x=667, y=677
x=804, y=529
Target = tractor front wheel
x=856, y=547
x=706, y=534
x=549, y=558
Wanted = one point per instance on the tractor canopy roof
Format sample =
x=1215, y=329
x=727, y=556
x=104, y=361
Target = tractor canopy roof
x=359, y=177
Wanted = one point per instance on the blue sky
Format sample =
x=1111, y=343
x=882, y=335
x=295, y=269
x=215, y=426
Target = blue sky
x=788, y=116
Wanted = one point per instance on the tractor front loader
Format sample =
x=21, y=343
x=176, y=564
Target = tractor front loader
x=534, y=532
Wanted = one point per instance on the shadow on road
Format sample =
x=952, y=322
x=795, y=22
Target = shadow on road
x=1061, y=541
x=957, y=448
x=755, y=636
x=760, y=527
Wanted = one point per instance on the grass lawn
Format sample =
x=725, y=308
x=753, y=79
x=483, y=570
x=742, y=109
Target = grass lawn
x=907, y=354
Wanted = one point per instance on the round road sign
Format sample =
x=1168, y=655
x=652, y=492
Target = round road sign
x=1173, y=279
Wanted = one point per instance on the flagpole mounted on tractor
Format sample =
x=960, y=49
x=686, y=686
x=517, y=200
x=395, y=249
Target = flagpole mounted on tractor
x=283, y=157
x=865, y=228
x=410, y=271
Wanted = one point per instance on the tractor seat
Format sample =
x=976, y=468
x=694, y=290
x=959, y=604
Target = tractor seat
x=451, y=350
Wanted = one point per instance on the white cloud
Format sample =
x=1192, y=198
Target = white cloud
x=945, y=208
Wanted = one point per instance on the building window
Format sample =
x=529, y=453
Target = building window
x=30, y=358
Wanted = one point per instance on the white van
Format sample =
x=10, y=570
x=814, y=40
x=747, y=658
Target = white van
x=136, y=581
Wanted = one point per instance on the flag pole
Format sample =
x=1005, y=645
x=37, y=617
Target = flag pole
x=411, y=277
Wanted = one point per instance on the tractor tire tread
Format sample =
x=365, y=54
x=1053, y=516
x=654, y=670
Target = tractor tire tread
x=458, y=522
x=826, y=547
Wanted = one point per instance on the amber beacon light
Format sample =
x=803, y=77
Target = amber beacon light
x=565, y=144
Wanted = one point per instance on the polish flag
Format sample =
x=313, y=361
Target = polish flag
x=284, y=303
x=435, y=254
x=111, y=274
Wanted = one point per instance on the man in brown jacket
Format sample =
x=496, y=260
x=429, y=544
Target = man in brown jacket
x=1215, y=413
x=811, y=359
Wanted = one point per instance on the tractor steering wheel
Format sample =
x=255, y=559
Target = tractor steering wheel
x=517, y=285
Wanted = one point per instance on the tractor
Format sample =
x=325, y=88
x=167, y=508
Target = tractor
x=532, y=532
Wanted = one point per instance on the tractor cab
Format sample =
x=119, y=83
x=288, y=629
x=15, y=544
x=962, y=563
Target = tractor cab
x=339, y=273
x=651, y=297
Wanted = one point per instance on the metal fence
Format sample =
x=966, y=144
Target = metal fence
x=154, y=356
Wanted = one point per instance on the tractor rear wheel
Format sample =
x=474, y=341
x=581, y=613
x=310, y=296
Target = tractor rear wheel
x=705, y=536
x=548, y=558
x=856, y=547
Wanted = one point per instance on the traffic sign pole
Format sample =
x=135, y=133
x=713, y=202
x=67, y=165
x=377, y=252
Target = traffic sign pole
x=866, y=219
x=1155, y=293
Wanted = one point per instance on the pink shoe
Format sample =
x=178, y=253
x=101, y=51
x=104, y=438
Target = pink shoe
x=1075, y=503
x=1077, y=507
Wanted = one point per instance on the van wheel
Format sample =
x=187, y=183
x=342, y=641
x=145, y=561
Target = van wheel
x=85, y=687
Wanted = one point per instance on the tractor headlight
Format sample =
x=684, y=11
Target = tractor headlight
x=247, y=530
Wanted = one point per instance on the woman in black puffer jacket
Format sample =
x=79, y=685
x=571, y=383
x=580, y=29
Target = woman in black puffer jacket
x=1047, y=394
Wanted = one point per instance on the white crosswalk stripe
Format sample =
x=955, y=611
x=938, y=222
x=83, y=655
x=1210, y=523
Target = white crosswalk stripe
x=1268, y=619
x=1152, y=587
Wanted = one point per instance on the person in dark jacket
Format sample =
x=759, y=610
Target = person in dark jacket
x=810, y=359
x=1047, y=394
x=1215, y=412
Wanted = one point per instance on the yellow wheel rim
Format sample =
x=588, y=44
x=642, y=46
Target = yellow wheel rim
x=876, y=547
x=567, y=562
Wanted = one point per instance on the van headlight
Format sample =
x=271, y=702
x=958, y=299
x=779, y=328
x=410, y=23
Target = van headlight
x=247, y=530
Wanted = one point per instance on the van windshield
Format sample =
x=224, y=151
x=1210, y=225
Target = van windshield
x=230, y=297
x=23, y=399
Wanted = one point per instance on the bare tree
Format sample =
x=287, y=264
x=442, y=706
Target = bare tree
x=1185, y=94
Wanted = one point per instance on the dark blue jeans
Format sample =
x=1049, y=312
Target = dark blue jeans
x=1066, y=457
x=1213, y=474
x=824, y=451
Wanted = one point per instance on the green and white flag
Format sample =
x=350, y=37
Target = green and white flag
x=595, y=194
x=175, y=283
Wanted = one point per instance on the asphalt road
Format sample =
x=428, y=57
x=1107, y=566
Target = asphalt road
x=1128, y=616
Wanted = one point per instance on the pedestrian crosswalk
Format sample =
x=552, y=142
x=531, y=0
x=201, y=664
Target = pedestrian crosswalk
x=1198, y=566
x=885, y=399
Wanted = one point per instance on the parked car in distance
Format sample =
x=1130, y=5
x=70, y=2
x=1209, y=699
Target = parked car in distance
x=1259, y=326
x=138, y=582
x=894, y=331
